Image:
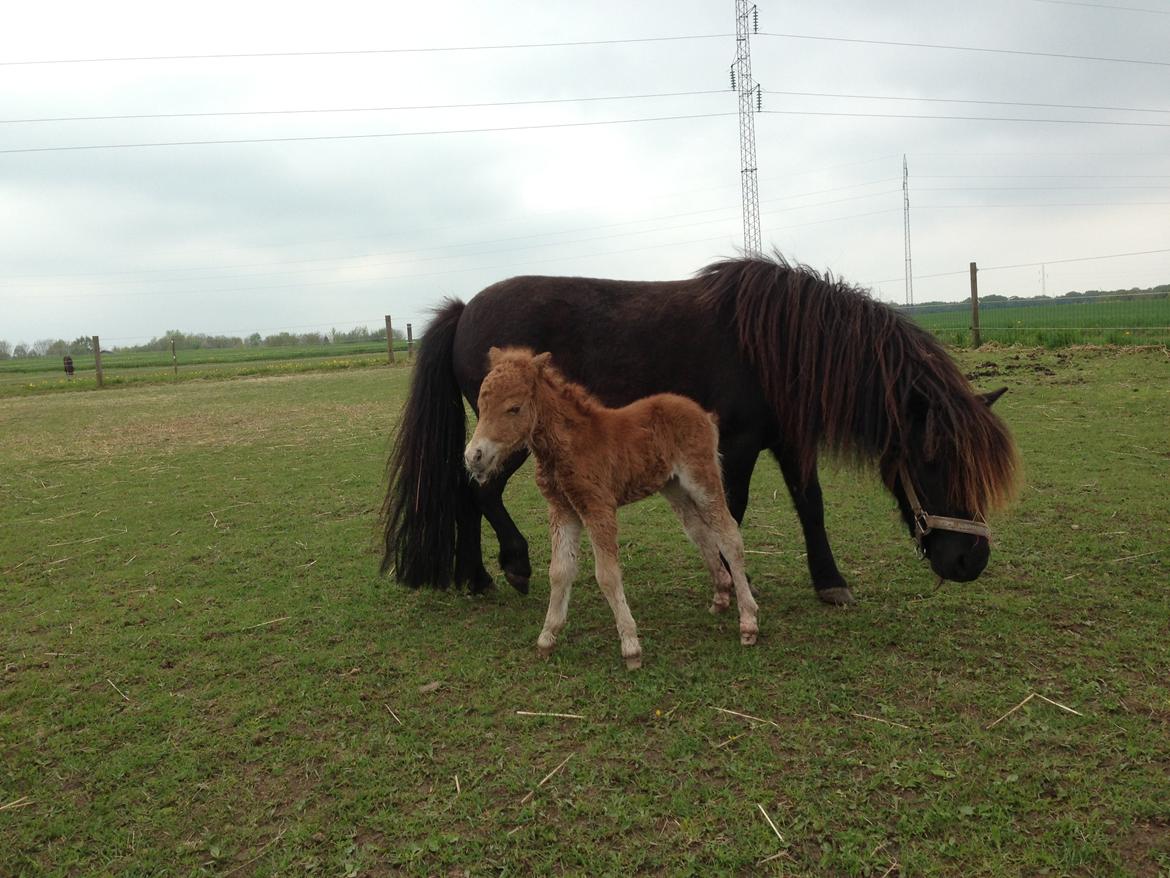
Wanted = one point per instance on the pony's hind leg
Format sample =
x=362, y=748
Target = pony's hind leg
x=565, y=528
x=603, y=534
x=702, y=537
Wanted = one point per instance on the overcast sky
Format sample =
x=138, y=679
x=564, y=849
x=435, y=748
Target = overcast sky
x=234, y=238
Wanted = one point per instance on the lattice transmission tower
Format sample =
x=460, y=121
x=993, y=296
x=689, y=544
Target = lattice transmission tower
x=906, y=210
x=747, y=22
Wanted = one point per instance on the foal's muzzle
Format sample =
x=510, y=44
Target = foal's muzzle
x=480, y=458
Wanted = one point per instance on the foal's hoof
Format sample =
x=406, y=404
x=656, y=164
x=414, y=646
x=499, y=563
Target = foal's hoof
x=837, y=596
x=748, y=638
x=517, y=581
x=633, y=662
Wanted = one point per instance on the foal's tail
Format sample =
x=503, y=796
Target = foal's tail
x=427, y=483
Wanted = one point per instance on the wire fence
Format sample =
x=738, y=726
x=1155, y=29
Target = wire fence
x=1116, y=318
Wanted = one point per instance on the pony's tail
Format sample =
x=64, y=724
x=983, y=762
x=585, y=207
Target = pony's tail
x=427, y=485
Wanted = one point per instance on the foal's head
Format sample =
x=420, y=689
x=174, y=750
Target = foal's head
x=507, y=412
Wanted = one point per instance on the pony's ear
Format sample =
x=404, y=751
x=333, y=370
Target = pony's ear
x=542, y=360
x=494, y=357
x=990, y=398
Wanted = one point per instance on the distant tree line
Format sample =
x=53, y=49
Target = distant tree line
x=185, y=341
x=1162, y=291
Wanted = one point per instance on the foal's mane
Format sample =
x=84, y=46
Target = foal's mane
x=568, y=398
x=844, y=370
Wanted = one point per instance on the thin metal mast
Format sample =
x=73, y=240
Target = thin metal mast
x=906, y=207
x=747, y=21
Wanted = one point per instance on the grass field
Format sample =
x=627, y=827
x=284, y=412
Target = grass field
x=45, y=374
x=202, y=673
x=1113, y=321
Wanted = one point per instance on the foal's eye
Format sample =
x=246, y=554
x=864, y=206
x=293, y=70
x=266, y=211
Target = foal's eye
x=514, y=410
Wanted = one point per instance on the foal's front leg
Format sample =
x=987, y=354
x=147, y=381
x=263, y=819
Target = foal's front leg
x=565, y=529
x=602, y=528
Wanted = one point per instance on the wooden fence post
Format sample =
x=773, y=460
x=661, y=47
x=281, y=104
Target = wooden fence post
x=976, y=340
x=97, y=359
x=174, y=358
x=409, y=342
x=389, y=341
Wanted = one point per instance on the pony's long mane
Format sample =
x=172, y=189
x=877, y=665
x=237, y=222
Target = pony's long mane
x=847, y=372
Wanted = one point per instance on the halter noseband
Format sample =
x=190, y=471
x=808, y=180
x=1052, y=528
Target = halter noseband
x=924, y=522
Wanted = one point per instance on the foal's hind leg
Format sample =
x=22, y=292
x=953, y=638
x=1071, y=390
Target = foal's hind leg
x=705, y=492
x=603, y=534
x=731, y=546
x=702, y=537
x=565, y=528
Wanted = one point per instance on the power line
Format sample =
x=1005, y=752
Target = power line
x=493, y=223
x=544, y=101
x=320, y=137
x=1055, y=204
x=969, y=118
x=1043, y=176
x=1143, y=186
x=225, y=113
x=506, y=128
x=1031, y=264
x=967, y=49
x=399, y=51
x=816, y=94
x=576, y=43
x=1105, y=6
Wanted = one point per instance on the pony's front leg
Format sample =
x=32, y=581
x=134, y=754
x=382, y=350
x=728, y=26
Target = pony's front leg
x=513, y=547
x=603, y=534
x=809, y=502
x=565, y=529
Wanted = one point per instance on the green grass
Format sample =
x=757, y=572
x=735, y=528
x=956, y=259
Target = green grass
x=46, y=374
x=1111, y=321
x=207, y=548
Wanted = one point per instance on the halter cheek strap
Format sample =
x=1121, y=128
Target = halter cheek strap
x=924, y=522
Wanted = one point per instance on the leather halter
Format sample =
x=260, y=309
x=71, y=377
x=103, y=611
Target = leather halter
x=924, y=522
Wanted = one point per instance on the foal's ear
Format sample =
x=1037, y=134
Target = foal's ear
x=542, y=360
x=494, y=355
x=990, y=398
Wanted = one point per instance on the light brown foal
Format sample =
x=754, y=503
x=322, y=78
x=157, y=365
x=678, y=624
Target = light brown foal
x=589, y=461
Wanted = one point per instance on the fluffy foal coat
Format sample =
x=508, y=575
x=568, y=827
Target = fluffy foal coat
x=589, y=461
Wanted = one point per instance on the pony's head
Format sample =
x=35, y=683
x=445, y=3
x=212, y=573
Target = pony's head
x=954, y=466
x=846, y=372
x=507, y=410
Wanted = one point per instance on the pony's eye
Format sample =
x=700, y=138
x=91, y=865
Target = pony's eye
x=514, y=410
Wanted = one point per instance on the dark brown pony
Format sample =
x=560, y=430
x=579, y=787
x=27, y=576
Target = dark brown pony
x=591, y=459
x=788, y=360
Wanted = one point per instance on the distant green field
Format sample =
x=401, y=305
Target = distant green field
x=1054, y=324
x=41, y=374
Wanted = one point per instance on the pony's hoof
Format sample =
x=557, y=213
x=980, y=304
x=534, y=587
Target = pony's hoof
x=837, y=596
x=545, y=652
x=633, y=662
x=481, y=583
x=718, y=607
x=518, y=582
x=748, y=638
